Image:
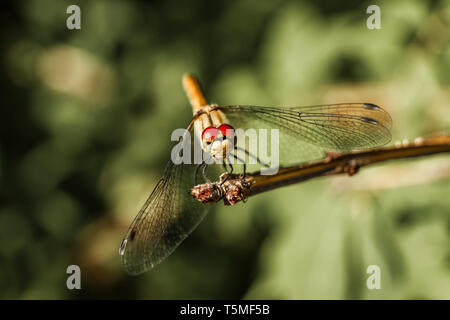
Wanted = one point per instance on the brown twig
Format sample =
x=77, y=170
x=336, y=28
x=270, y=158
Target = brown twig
x=234, y=188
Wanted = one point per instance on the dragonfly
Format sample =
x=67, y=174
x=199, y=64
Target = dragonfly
x=170, y=213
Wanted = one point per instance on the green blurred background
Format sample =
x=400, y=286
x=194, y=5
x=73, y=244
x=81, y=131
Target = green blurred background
x=86, y=118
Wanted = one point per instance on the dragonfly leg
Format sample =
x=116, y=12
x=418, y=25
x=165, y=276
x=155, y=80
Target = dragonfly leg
x=196, y=173
x=231, y=168
x=205, y=165
x=230, y=172
x=245, y=167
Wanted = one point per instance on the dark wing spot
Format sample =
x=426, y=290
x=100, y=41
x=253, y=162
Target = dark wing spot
x=369, y=120
x=124, y=243
x=132, y=234
x=371, y=106
x=123, y=246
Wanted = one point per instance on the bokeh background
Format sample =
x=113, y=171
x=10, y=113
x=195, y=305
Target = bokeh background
x=86, y=117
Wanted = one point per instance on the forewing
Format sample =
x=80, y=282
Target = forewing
x=168, y=216
x=306, y=132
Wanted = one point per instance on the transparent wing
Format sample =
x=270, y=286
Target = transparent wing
x=168, y=216
x=305, y=132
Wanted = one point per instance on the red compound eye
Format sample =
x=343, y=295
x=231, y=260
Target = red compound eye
x=209, y=134
x=226, y=127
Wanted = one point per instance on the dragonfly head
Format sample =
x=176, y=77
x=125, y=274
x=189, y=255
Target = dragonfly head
x=219, y=142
